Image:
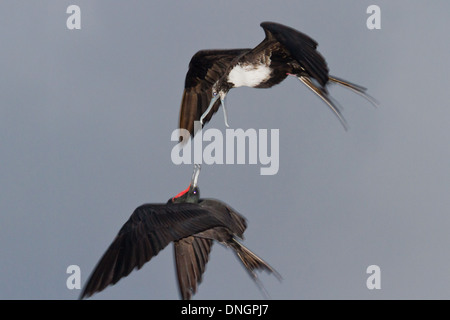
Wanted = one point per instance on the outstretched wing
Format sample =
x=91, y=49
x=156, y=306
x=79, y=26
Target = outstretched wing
x=192, y=253
x=302, y=49
x=191, y=257
x=205, y=68
x=150, y=229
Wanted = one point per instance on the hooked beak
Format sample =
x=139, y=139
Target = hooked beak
x=213, y=100
x=195, y=174
x=225, y=117
x=211, y=104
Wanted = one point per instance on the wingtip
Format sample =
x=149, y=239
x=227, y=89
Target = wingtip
x=83, y=295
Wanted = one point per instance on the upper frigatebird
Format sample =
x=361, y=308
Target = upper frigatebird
x=191, y=224
x=284, y=51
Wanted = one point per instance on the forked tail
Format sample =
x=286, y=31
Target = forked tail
x=324, y=95
x=355, y=88
x=253, y=263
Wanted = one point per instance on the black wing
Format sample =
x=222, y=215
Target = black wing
x=205, y=68
x=150, y=228
x=191, y=257
x=229, y=217
x=192, y=253
x=301, y=48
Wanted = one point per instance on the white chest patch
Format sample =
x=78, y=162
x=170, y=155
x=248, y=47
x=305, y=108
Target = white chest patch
x=248, y=75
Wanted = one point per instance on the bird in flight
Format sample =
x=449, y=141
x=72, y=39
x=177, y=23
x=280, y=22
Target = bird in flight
x=192, y=224
x=284, y=51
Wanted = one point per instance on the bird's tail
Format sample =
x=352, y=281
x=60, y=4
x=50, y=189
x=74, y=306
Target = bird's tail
x=253, y=263
x=323, y=94
x=355, y=88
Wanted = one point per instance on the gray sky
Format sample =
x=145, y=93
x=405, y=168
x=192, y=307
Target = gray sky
x=85, y=123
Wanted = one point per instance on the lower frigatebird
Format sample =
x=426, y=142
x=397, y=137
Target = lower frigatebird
x=192, y=224
x=284, y=51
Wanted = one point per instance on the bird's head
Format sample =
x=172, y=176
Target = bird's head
x=218, y=91
x=192, y=193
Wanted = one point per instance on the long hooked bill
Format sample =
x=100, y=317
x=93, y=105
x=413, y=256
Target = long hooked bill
x=211, y=104
x=195, y=174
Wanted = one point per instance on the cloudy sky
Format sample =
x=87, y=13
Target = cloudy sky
x=86, y=118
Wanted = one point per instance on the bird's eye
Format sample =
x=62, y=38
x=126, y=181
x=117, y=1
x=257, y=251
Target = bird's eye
x=214, y=93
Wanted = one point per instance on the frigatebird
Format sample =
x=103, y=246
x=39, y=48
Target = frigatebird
x=192, y=224
x=284, y=51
